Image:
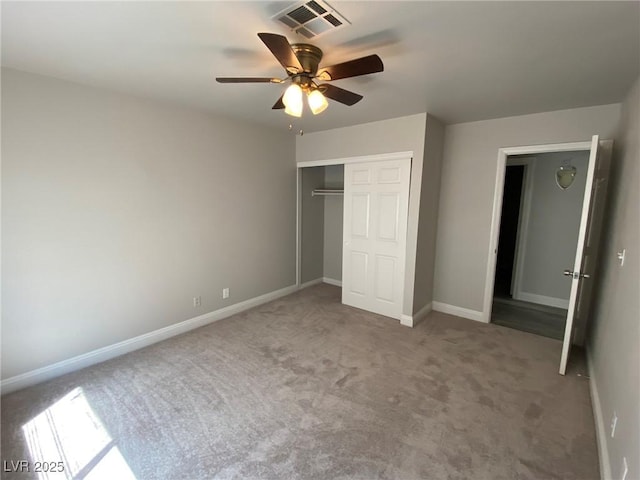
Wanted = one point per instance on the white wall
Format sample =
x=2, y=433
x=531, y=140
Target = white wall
x=614, y=343
x=333, y=216
x=469, y=182
x=552, y=229
x=117, y=211
x=387, y=136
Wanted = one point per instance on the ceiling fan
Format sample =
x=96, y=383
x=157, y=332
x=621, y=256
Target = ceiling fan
x=301, y=61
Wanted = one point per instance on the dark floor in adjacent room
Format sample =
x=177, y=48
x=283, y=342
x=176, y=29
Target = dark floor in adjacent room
x=529, y=317
x=304, y=387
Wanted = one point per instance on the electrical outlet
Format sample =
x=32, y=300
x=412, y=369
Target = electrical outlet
x=620, y=256
x=197, y=301
x=625, y=469
x=225, y=292
x=614, y=422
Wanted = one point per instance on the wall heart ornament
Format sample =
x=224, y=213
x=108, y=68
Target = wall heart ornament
x=565, y=174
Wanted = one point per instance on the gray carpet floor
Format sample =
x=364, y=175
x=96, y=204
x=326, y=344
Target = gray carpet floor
x=304, y=387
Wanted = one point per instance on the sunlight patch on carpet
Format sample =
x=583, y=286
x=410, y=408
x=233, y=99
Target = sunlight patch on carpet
x=68, y=441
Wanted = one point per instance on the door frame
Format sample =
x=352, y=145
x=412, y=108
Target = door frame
x=503, y=153
x=409, y=279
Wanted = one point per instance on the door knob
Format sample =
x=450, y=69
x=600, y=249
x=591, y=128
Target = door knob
x=569, y=273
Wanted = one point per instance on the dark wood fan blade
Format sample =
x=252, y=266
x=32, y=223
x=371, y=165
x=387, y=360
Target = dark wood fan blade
x=278, y=105
x=340, y=94
x=247, y=80
x=281, y=49
x=352, y=68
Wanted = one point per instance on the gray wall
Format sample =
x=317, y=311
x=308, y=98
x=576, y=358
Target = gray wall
x=614, y=342
x=333, y=215
x=469, y=181
x=387, y=136
x=552, y=231
x=311, y=225
x=117, y=211
x=428, y=220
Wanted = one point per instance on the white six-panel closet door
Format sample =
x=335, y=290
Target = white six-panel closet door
x=376, y=203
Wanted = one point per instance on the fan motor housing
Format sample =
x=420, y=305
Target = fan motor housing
x=309, y=57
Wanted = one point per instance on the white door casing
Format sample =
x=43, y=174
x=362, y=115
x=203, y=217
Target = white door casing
x=376, y=203
x=503, y=154
x=588, y=242
x=589, y=232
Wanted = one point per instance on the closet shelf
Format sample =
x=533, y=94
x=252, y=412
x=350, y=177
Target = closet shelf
x=327, y=191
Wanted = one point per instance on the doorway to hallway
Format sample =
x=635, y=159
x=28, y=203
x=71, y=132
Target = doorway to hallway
x=589, y=228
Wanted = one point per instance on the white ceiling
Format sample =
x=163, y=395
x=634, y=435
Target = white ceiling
x=460, y=61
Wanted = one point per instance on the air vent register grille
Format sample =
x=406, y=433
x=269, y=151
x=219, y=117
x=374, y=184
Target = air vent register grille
x=311, y=19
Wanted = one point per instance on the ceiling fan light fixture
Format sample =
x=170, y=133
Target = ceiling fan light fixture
x=301, y=62
x=317, y=102
x=295, y=111
x=292, y=100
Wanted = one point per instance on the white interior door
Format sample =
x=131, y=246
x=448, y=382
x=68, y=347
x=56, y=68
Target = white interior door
x=588, y=242
x=376, y=203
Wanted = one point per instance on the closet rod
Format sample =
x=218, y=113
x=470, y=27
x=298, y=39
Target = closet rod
x=326, y=191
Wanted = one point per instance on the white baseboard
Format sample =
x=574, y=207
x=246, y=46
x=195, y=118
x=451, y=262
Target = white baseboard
x=423, y=312
x=601, y=429
x=458, y=311
x=332, y=281
x=106, y=353
x=317, y=281
x=310, y=283
x=413, y=320
x=406, y=320
x=543, y=300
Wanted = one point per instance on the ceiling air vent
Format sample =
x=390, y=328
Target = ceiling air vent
x=311, y=19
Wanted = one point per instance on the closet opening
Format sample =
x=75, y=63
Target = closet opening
x=352, y=229
x=321, y=206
